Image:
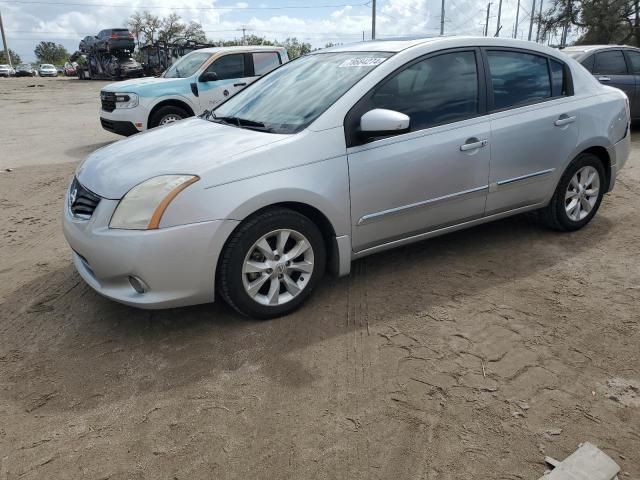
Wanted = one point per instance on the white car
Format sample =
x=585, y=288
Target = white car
x=7, y=71
x=199, y=81
x=340, y=154
x=47, y=70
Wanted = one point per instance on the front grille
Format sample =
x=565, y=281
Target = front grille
x=107, y=124
x=108, y=101
x=82, y=202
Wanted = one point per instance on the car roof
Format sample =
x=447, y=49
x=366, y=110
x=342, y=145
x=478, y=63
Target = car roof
x=239, y=49
x=395, y=45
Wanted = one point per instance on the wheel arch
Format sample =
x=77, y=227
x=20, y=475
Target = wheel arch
x=170, y=102
x=603, y=154
x=336, y=254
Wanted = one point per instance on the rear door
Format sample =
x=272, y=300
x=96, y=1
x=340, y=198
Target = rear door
x=534, y=126
x=610, y=68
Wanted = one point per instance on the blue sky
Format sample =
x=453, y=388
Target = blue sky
x=315, y=21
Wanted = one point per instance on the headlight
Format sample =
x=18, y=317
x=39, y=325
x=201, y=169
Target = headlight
x=126, y=100
x=143, y=206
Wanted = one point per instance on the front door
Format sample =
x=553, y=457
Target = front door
x=435, y=175
x=232, y=75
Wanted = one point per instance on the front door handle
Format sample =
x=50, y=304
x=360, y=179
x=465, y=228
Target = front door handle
x=604, y=79
x=564, y=120
x=473, y=144
x=240, y=84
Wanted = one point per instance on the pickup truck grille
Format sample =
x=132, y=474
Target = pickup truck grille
x=108, y=101
x=82, y=202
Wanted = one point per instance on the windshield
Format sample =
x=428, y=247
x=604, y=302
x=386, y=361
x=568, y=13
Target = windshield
x=288, y=99
x=46, y=66
x=187, y=65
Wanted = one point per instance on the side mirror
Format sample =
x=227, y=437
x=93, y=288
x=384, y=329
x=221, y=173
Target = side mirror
x=208, y=77
x=381, y=122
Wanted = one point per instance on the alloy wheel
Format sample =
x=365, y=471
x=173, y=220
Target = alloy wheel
x=278, y=267
x=582, y=193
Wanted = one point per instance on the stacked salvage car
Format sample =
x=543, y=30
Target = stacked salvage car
x=107, y=56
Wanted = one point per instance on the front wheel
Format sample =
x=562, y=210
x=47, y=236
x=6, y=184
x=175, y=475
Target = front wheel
x=167, y=115
x=271, y=264
x=578, y=194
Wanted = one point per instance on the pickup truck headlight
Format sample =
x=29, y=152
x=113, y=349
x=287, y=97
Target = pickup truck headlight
x=143, y=206
x=126, y=100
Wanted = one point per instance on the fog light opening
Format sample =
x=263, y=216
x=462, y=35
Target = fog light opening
x=138, y=285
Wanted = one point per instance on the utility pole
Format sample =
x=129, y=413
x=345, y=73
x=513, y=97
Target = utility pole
x=442, y=19
x=533, y=11
x=498, y=27
x=539, y=22
x=373, y=19
x=486, y=23
x=515, y=30
x=4, y=42
x=244, y=36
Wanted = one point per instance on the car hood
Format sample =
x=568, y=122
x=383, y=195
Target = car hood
x=193, y=146
x=137, y=83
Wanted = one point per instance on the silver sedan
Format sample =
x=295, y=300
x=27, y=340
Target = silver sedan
x=340, y=154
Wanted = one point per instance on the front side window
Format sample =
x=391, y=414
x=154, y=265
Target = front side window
x=187, y=65
x=228, y=67
x=610, y=63
x=433, y=91
x=518, y=78
x=293, y=96
x=264, y=62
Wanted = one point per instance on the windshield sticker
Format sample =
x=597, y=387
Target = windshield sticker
x=362, y=62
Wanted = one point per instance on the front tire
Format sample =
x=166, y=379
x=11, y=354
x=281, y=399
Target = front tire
x=271, y=264
x=578, y=194
x=167, y=115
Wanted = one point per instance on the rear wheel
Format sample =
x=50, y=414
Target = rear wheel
x=167, y=115
x=271, y=264
x=578, y=194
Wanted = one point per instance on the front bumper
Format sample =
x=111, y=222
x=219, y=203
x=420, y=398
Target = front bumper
x=118, y=127
x=121, y=120
x=177, y=264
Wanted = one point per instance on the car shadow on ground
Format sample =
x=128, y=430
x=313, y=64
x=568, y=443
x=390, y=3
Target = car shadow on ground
x=81, y=152
x=67, y=334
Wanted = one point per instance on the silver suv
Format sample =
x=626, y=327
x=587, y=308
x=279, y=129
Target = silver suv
x=340, y=154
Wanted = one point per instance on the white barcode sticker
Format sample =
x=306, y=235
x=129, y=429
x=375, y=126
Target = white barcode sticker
x=362, y=62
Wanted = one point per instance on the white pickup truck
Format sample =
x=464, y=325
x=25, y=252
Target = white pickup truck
x=199, y=81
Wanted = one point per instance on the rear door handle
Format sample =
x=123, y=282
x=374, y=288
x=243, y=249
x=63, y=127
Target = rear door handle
x=240, y=84
x=472, y=144
x=604, y=79
x=564, y=120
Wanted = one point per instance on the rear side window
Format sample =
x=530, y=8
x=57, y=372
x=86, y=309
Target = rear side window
x=634, y=59
x=559, y=80
x=264, y=62
x=610, y=62
x=518, y=78
x=433, y=91
x=228, y=67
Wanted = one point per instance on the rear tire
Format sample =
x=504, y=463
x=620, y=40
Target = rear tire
x=167, y=115
x=577, y=196
x=271, y=264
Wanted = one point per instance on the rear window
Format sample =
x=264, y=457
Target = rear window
x=264, y=62
x=120, y=32
x=634, y=58
x=610, y=62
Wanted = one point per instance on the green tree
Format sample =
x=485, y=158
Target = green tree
x=150, y=25
x=49, y=52
x=171, y=28
x=596, y=21
x=135, y=25
x=15, y=58
x=295, y=48
x=194, y=31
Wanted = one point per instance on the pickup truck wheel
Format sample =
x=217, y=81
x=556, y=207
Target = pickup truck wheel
x=167, y=115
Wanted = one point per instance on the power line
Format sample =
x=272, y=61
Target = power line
x=151, y=7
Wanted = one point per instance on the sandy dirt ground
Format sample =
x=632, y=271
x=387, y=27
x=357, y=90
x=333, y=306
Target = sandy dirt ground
x=470, y=356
